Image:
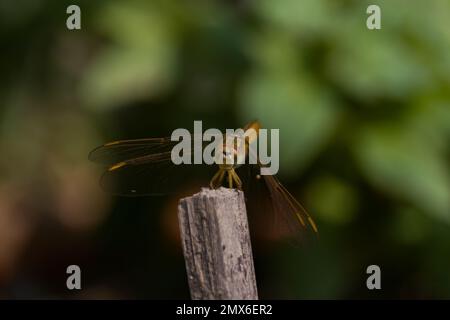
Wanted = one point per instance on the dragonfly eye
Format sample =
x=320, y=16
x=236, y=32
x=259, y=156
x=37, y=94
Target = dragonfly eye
x=227, y=154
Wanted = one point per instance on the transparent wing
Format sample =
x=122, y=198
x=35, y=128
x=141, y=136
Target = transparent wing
x=118, y=151
x=287, y=207
x=270, y=203
x=150, y=175
x=142, y=167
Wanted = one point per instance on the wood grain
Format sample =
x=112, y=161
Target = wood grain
x=216, y=245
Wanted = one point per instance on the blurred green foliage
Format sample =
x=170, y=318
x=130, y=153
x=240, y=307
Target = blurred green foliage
x=364, y=119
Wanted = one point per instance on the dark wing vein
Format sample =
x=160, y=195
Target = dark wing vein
x=141, y=167
x=286, y=205
x=118, y=151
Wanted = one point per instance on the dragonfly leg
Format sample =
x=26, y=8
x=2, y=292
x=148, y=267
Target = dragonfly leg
x=213, y=179
x=236, y=179
x=221, y=176
x=233, y=179
x=217, y=179
x=230, y=178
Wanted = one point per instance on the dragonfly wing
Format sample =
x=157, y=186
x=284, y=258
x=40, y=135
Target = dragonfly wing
x=118, y=151
x=270, y=203
x=141, y=167
x=148, y=175
x=287, y=207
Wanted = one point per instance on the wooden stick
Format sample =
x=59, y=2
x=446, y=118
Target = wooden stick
x=216, y=245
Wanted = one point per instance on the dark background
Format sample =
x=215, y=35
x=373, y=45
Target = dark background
x=364, y=119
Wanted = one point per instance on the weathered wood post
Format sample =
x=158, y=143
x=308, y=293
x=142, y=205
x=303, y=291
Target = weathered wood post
x=216, y=245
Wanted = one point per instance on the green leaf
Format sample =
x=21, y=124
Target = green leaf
x=369, y=64
x=140, y=61
x=304, y=112
x=396, y=161
x=120, y=76
x=308, y=17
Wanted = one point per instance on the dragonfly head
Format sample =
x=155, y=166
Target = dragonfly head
x=232, y=153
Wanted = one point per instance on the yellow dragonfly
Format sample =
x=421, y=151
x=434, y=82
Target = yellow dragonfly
x=144, y=167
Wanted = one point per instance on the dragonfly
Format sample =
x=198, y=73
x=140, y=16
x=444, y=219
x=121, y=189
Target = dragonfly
x=140, y=167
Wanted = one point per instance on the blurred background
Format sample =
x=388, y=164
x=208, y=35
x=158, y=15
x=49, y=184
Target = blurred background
x=364, y=119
